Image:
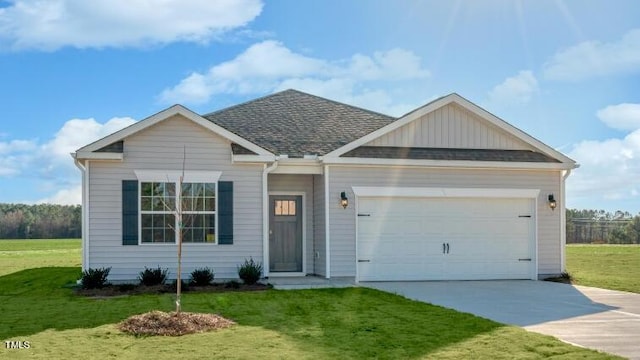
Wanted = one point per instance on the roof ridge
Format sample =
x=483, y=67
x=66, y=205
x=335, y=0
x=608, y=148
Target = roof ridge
x=344, y=104
x=244, y=103
x=302, y=93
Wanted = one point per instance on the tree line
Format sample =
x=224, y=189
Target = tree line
x=41, y=221
x=602, y=227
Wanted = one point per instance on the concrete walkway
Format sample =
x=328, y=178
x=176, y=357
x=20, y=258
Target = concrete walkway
x=599, y=319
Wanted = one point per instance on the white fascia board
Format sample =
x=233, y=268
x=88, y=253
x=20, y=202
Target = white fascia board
x=316, y=169
x=174, y=175
x=383, y=191
x=82, y=155
x=465, y=164
x=459, y=100
x=166, y=114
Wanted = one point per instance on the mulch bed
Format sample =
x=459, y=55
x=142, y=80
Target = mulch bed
x=559, y=279
x=173, y=324
x=123, y=290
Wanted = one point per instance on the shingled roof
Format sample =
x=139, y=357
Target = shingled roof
x=295, y=123
x=392, y=152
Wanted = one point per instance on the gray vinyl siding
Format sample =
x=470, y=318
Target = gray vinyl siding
x=342, y=221
x=319, y=225
x=304, y=184
x=160, y=147
x=450, y=127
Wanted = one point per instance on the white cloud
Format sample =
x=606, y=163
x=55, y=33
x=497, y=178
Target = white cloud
x=69, y=196
x=518, y=89
x=593, y=58
x=609, y=169
x=52, y=24
x=270, y=66
x=50, y=161
x=622, y=116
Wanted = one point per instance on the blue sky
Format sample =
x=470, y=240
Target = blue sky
x=566, y=72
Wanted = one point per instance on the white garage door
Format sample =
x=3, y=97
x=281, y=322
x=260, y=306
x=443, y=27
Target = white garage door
x=445, y=239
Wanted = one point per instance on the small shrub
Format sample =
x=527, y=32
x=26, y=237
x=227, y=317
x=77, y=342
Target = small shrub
x=566, y=276
x=95, y=278
x=232, y=284
x=201, y=277
x=151, y=277
x=250, y=272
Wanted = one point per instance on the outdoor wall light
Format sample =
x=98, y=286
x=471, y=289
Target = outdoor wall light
x=343, y=200
x=552, y=202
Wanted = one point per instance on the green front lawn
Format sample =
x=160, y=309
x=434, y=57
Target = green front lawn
x=16, y=255
x=615, y=267
x=37, y=305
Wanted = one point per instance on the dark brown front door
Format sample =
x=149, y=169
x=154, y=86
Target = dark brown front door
x=285, y=233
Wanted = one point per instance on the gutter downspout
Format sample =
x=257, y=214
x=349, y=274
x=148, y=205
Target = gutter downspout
x=327, y=227
x=563, y=221
x=85, y=210
x=265, y=215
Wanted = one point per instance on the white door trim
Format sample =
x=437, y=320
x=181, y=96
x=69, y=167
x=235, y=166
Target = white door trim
x=426, y=192
x=304, y=231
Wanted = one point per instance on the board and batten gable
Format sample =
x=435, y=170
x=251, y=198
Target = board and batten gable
x=161, y=147
x=450, y=126
x=343, y=221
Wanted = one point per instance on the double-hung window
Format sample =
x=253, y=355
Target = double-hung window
x=162, y=201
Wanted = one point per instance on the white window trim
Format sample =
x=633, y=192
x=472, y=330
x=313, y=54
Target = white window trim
x=173, y=176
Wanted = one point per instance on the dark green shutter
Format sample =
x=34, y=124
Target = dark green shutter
x=225, y=212
x=129, y=212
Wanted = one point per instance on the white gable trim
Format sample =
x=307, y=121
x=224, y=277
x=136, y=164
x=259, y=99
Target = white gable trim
x=466, y=104
x=98, y=155
x=87, y=152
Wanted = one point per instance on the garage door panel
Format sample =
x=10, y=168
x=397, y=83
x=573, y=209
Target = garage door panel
x=407, y=238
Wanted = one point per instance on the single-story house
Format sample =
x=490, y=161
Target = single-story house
x=308, y=185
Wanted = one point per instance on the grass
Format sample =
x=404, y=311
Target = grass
x=38, y=305
x=16, y=255
x=615, y=267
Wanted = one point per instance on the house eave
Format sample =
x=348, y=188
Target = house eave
x=465, y=164
x=252, y=159
x=87, y=155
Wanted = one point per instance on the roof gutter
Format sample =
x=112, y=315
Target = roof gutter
x=265, y=214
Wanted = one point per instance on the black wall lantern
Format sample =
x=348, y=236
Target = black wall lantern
x=552, y=202
x=343, y=200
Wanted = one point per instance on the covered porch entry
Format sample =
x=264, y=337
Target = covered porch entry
x=295, y=246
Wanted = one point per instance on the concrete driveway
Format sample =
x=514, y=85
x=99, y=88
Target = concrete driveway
x=595, y=318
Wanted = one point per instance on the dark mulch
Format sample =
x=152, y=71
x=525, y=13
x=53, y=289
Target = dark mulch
x=565, y=278
x=559, y=280
x=173, y=324
x=121, y=290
